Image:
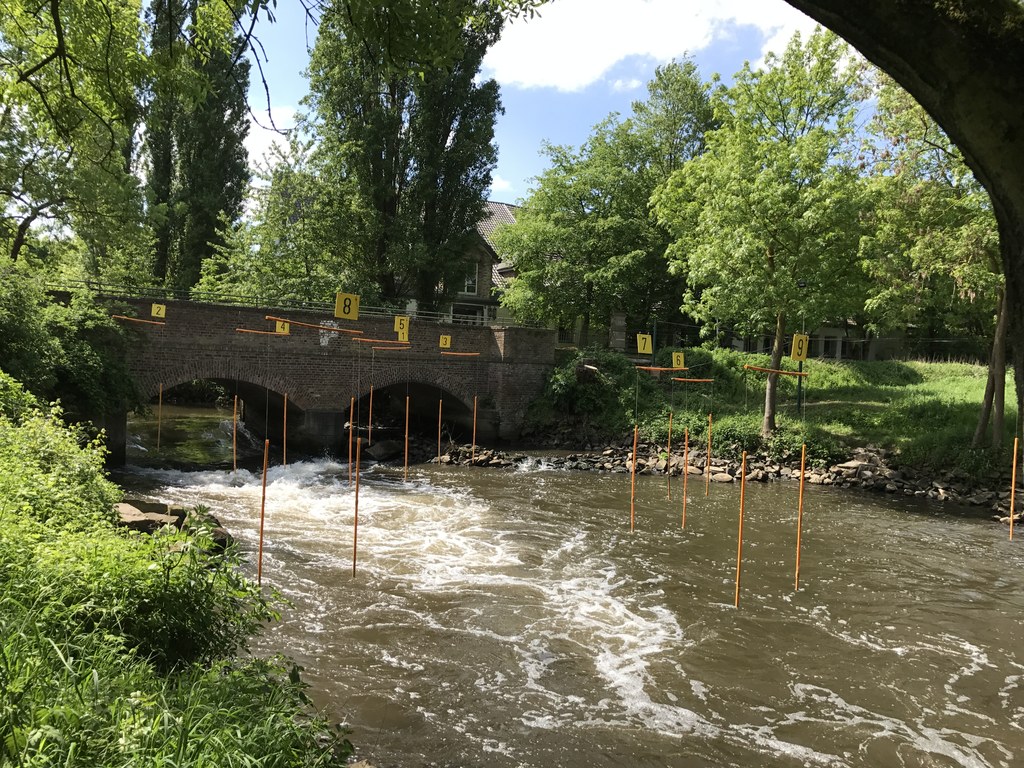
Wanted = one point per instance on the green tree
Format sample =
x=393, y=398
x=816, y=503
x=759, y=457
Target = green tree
x=766, y=220
x=933, y=252
x=196, y=126
x=67, y=117
x=585, y=243
x=418, y=151
x=293, y=246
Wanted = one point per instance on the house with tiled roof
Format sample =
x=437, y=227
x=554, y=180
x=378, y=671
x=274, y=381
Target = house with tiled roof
x=476, y=301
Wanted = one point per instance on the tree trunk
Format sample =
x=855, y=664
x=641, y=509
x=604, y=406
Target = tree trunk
x=994, y=403
x=585, y=324
x=768, y=425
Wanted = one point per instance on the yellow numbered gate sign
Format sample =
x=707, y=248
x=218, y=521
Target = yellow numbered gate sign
x=282, y=327
x=643, y=344
x=346, y=306
x=678, y=360
x=801, y=342
x=159, y=310
x=402, y=327
x=445, y=341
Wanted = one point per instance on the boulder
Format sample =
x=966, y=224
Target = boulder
x=135, y=519
x=385, y=450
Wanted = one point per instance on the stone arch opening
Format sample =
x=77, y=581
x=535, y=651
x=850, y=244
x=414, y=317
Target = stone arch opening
x=261, y=412
x=424, y=399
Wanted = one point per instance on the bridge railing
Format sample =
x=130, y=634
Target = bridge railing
x=267, y=302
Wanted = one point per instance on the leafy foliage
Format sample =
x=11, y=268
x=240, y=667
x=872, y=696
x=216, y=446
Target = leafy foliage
x=411, y=154
x=585, y=244
x=118, y=649
x=68, y=349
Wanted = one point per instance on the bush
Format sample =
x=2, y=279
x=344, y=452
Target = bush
x=53, y=472
x=118, y=649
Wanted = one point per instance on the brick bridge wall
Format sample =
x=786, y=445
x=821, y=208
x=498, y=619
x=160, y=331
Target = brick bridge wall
x=321, y=370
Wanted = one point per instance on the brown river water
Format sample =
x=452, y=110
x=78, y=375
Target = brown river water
x=510, y=618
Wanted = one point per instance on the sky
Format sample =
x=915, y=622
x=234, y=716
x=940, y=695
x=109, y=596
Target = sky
x=561, y=72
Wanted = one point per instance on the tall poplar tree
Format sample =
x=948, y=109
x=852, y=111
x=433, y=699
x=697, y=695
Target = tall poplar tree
x=415, y=151
x=198, y=168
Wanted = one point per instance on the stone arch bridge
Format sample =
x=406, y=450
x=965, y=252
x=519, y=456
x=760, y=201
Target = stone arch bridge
x=321, y=370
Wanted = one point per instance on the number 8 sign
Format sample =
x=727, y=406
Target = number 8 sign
x=346, y=306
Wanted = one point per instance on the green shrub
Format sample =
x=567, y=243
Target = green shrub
x=86, y=701
x=163, y=596
x=53, y=472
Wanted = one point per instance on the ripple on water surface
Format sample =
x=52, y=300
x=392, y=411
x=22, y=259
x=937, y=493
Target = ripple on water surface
x=511, y=619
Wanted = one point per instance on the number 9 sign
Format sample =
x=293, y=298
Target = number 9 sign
x=800, y=345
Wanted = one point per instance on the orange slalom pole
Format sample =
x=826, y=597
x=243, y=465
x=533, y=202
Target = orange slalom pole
x=406, y=478
x=473, y=451
x=799, y=374
x=668, y=468
x=632, y=492
x=263, y=511
x=440, y=403
x=234, y=437
x=137, y=320
x=351, y=416
x=800, y=514
x=159, y=416
x=686, y=468
x=739, y=544
x=369, y=425
x=284, y=433
x=355, y=516
x=1013, y=485
x=707, y=464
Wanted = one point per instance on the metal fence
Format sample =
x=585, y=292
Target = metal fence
x=254, y=301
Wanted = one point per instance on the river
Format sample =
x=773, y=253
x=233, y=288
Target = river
x=510, y=618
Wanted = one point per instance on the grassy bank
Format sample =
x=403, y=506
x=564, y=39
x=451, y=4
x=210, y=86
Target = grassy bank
x=925, y=412
x=119, y=649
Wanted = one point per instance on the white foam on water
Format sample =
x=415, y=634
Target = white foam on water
x=582, y=614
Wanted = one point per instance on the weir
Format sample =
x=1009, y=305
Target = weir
x=320, y=369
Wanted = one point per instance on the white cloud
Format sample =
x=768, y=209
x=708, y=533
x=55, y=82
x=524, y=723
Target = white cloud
x=498, y=184
x=573, y=43
x=260, y=140
x=620, y=85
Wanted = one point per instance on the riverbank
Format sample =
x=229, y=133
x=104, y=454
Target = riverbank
x=866, y=469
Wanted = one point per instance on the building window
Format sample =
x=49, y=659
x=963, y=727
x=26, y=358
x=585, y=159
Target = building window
x=470, y=286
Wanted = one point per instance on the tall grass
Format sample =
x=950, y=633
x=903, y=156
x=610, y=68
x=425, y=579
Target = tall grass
x=125, y=650
x=924, y=412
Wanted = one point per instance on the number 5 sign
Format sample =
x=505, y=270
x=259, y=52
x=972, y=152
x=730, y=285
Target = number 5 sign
x=402, y=327
x=800, y=343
